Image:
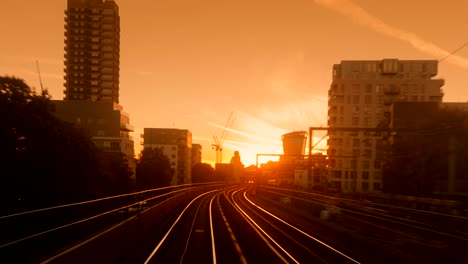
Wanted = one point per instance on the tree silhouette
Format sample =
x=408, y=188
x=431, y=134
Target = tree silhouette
x=114, y=173
x=153, y=169
x=202, y=172
x=44, y=160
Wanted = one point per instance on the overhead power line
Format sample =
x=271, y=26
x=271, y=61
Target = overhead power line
x=453, y=52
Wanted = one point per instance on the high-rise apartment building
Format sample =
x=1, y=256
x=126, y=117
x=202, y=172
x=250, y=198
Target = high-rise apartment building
x=361, y=96
x=176, y=144
x=92, y=48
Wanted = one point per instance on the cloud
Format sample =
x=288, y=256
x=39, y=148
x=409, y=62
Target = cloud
x=145, y=73
x=258, y=135
x=251, y=136
x=362, y=17
x=298, y=113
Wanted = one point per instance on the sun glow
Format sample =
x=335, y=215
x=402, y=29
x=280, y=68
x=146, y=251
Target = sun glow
x=252, y=136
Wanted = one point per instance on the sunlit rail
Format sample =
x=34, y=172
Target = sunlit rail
x=330, y=202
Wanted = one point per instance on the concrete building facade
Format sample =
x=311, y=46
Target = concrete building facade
x=92, y=50
x=360, y=96
x=176, y=144
x=196, y=154
x=105, y=121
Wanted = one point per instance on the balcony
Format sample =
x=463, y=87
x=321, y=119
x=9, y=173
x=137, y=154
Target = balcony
x=126, y=127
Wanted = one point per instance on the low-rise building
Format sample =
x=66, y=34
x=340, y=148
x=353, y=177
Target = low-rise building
x=176, y=144
x=105, y=121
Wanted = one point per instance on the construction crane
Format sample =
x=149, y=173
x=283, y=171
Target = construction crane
x=218, y=141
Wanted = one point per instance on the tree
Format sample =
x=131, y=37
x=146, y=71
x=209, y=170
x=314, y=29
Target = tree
x=202, y=172
x=115, y=175
x=153, y=169
x=43, y=160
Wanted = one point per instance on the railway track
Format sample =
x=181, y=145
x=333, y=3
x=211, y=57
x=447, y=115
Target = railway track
x=222, y=223
x=414, y=235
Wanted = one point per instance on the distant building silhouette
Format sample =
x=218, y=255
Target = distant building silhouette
x=311, y=175
x=444, y=126
x=360, y=96
x=294, y=143
x=92, y=50
x=176, y=144
x=196, y=154
x=237, y=167
x=232, y=171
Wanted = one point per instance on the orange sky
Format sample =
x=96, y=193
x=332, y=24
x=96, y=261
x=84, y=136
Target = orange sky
x=186, y=64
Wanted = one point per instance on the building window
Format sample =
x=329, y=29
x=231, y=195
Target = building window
x=376, y=186
x=115, y=146
x=368, y=99
x=106, y=144
x=366, y=122
x=356, y=109
x=355, y=121
x=341, y=120
x=356, y=88
x=337, y=174
x=356, y=153
x=365, y=186
x=339, y=164
x=356, y=142
x=356, y=99
x=365, y=165
x=379, y=88
x=365, y=175
x=377, y=164
x=380, y=99
x=367, y=153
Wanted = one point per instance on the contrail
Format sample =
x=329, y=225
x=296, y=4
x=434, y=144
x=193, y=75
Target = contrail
x=361, y=16
x=247, y=135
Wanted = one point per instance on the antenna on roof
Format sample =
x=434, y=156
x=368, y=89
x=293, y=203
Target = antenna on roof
x=39, y=74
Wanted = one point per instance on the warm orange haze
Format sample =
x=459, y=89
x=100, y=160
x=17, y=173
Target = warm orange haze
x=186, y=64
x=224, y=131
